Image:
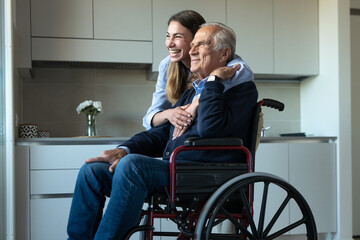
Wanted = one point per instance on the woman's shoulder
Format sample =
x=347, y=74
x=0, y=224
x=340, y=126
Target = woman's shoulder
x=164, y=64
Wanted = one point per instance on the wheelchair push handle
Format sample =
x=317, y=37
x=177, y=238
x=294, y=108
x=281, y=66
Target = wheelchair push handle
x=267, y=102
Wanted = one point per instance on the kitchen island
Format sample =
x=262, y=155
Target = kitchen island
x=46, y=171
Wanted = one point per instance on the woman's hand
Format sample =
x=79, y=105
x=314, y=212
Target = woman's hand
x=176, y=116
x=112, y=156
x=192, y=109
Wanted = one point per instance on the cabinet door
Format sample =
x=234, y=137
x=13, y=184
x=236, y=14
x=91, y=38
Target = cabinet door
x=296, y=37
x=53, y=181
x=211, y=10
x=124, y=20
x=272, y=158
x=43, y=214
x=252, y=21
x=313, y=174
x=62, y=18
x=63, y=156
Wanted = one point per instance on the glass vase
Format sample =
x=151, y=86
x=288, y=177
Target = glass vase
x=91, y=125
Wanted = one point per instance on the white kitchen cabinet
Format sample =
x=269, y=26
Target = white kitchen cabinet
x=211, y=10
x=123, y=20
x=252, y=21
x=296, y=37
x=310, y=168
x=88, y=31
x=312, y=171
x=62, y=18
x=45, y=181
x=88, y=50
x=49, y=218
x=277, y=37
x=272, y=158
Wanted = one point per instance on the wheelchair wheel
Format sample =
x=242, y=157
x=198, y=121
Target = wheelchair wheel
x=262, y=219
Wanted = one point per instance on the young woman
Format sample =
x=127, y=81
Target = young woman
x=175, y=76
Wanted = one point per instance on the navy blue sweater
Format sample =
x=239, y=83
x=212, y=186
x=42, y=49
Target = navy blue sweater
x=220, y=114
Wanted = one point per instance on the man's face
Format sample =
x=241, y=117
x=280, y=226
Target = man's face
x=204, y=59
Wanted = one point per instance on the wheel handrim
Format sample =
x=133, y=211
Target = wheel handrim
x=263, y=229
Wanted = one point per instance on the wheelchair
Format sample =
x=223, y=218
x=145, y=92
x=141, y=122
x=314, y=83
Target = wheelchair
x=204, y=197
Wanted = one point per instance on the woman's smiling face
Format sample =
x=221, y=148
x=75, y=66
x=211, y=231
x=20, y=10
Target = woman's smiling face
x=178, y=39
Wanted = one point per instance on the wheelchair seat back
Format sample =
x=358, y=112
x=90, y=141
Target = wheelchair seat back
x=203, y=179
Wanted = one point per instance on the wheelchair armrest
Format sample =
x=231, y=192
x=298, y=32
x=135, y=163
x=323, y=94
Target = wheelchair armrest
x=195, y=141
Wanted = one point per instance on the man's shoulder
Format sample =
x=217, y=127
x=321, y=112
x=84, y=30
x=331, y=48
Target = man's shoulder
x=241, y=88
x=244, y=85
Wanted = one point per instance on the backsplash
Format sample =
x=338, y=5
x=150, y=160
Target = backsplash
x=49, y=100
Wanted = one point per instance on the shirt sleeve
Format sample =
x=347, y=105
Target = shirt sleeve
x=125, y=148
x=159, y=100
x=244, y=74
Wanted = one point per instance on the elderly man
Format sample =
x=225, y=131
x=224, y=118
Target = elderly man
x=128, y=173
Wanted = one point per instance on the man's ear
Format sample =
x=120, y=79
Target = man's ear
x=225, y=54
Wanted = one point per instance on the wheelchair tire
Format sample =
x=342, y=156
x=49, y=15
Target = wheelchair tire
x=267, y=222
x=143, y=234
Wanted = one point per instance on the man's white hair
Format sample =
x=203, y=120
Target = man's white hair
x=223, y=38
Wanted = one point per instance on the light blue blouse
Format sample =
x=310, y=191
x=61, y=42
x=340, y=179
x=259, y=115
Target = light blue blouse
x=160, y=102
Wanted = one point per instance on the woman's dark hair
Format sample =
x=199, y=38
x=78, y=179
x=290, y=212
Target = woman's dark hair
x=178, y=75
x=189, y=19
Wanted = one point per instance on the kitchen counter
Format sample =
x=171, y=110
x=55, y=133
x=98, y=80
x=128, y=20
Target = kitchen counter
x=297, y=139
x=118, y=140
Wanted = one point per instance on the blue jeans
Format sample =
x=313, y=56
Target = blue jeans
x=134, y=178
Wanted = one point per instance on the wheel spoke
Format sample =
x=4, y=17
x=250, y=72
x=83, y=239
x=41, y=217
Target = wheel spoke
x=224, y=205
x=237, y=224
x=230, y=217
x=277, y=214
x=286, y=229
x=224, y=236
x=263, y=209
x=248, y=212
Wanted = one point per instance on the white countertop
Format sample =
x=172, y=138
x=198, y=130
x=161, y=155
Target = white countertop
x=83, y=140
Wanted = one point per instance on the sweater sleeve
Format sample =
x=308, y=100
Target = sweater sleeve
x=219, y=112
x=244, y=74
x=151, y=142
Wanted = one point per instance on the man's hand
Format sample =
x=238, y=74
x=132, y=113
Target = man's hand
x=225, y=72
x=112, y=156
x=192, y=109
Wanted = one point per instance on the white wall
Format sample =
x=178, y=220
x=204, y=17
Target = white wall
x=51, y=97
x=326, y=100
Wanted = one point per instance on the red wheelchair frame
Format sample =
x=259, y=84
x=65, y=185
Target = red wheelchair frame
x=231, y=183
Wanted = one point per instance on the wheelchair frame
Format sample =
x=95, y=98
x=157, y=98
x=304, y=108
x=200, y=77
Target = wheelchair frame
x=198, y=220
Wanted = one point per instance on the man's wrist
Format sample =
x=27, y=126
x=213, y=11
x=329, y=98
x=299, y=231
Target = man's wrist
x=127, y=150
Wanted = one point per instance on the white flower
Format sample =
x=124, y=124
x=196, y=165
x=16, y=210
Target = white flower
x=89, y=107
x=97, y=105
